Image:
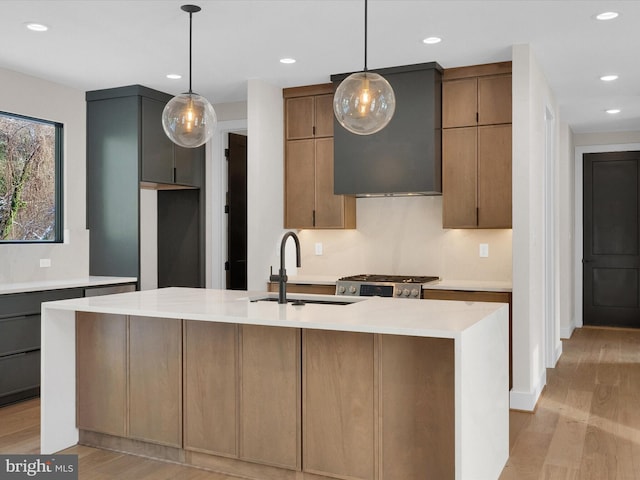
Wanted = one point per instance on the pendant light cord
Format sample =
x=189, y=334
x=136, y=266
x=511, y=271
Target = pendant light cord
x=190, y=40
x=365, y=35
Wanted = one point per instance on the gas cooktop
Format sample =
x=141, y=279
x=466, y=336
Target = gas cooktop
x=390, y=278
x=400, y=286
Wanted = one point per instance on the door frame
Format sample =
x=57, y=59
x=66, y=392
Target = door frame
x=577, y=321
x=216, y=224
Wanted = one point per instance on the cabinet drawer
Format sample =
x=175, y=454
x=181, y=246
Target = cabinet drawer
x=19, y=372
x=19, y=334
x=16, y=304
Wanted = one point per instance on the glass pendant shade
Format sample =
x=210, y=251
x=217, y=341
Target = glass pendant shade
x=364, y=103
x=189, y=120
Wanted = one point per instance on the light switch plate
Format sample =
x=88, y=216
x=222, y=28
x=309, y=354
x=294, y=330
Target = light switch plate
x=484, y=250
x=45, y=262
x=318, y=248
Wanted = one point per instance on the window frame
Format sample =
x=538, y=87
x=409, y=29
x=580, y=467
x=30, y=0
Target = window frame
x=58, y=227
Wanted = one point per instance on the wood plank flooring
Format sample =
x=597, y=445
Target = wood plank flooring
x=586, y=425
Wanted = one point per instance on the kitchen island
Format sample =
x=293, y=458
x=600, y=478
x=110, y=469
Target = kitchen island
x=376, y=388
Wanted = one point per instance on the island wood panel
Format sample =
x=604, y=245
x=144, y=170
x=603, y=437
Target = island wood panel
x=305, y=288
x=270, y=395
x=417, y=408
x=101, y=372
x=339, y=404
x=210, y=372
x=155, y=380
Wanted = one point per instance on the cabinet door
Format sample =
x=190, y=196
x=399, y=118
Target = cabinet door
x=459, y=177
x=101, y=372
x=299, y=117
x=418, y=403
x=270, y=396
x=300, y=184
x=188, y=163
x=338, y=404
x=494, y=176
x=157, y=149
x=324, y=116
x=155, y=380
x=210, y=387
x=329, y=207
x=494, y=100
x=459, y=102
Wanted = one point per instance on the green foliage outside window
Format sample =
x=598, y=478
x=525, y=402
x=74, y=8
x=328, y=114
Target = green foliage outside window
x=30, y=179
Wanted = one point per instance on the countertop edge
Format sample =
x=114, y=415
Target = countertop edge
x=44, y=285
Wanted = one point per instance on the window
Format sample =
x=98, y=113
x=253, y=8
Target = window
x=30, y=179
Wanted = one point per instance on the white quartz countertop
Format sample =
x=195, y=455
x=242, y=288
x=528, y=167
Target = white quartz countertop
x=41, y=285
x=426, y=318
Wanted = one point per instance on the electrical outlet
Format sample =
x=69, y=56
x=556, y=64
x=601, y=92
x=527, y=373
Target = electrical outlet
x=484, y=250
x=45, y=262
x=318, y=248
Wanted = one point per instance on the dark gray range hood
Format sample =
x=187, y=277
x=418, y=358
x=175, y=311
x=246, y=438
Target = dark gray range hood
x=404, y=158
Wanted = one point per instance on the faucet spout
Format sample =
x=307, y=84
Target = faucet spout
x=281, y=278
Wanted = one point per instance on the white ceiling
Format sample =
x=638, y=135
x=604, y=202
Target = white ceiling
x=94, y=44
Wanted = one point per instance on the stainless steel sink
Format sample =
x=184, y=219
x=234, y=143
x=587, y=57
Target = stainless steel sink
x=303, y=301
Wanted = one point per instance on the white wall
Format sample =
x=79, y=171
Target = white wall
x=566, y=205
x=404, y=235
x=34, y=97
x=265, y=180
x=532, y=97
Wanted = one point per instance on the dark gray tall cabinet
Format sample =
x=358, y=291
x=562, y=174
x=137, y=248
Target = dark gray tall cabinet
x=127, y=150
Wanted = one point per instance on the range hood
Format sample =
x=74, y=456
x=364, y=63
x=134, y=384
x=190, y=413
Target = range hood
x=404, y=158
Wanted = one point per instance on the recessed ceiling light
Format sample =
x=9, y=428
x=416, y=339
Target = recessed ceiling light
x=607, y=15
x=613, y=111
x=609, y=78
x=432, y=40
x=287, y=60
x=174, y=76
x=36, y=27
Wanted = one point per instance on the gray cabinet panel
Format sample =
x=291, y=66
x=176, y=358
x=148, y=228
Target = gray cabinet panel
x=19, y=334
x=19, y=376
x=157, y=149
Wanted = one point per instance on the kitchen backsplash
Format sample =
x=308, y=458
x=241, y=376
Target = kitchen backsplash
x=404, y=235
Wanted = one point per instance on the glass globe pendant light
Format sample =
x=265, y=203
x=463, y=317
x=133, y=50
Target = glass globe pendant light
x=364, y=102
x=189, y=119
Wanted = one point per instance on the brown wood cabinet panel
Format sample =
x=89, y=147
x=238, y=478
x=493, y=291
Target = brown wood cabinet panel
x=155, y=380
x=299, y=184
x=210, y=373
x=270, y=395
x=101, y=372
x=459, y=177
x=338, y=404
x=299, y=117
x=459, y=103
x=329, y=207
x=324, y=115
x=494, y=100
x=304, y=288
x=494, y=176
x=417, y=409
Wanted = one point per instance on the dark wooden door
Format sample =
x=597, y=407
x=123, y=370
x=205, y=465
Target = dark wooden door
x=237, y=213
x=611, y=258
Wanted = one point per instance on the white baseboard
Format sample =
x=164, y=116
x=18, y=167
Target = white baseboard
x=566, y=332
x=526, y=401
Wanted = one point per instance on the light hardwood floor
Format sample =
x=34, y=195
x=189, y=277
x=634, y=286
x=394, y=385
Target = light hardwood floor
x=586, y=425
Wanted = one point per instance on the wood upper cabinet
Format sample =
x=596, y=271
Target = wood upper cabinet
x=476, y=146
x=339, y=404
x=101, y=373
x=309, y=198
x=155, y=380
